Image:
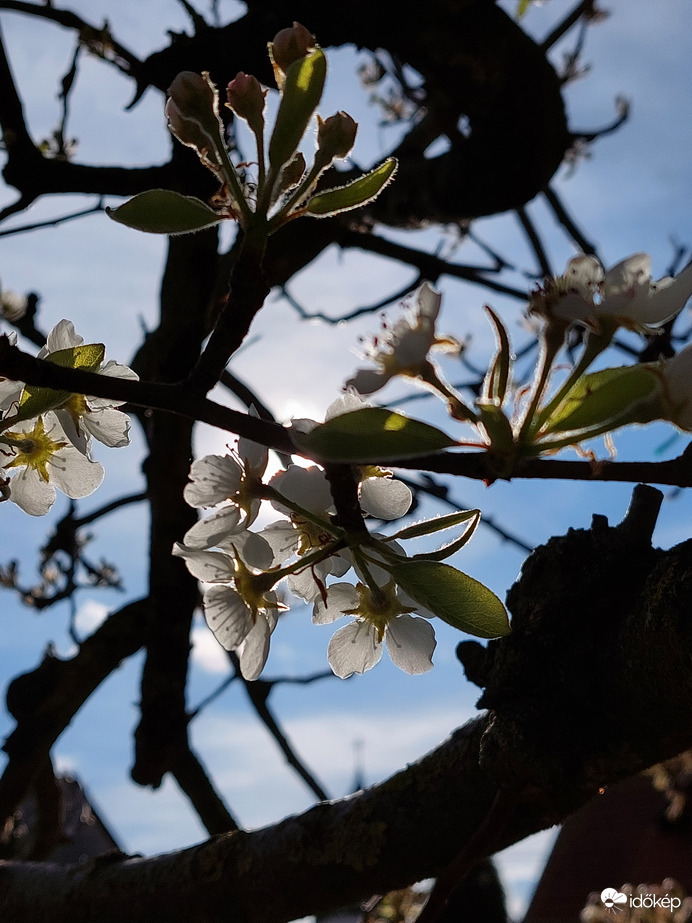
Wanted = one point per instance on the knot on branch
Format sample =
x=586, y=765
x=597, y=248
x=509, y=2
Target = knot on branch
x=594, y=682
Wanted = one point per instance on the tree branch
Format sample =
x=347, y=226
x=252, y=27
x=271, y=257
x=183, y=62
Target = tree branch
x=548, y=742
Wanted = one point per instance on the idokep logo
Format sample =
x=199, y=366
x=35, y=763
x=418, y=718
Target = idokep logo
x=611, y=897
x=617, y=899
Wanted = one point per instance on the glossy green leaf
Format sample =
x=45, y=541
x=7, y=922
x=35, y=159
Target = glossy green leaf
x=301, y=94
x=610, y=394
x=36, y=400
x=162, y=211
x=452, y=596
x=373, y=434
x=354, y=194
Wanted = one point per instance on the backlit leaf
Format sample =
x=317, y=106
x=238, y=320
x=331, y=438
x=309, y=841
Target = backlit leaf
x=454, y=597
x=162, y=211
x=373, y=434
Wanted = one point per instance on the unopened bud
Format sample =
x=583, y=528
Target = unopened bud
x=246, y=98
x=336, y=136
x=288, y=46
x=192, y=111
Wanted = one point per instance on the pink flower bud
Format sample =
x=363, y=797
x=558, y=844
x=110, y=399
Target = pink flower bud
x=289, y=45
x=336, y=135
x=192, y=110
x=246, y=98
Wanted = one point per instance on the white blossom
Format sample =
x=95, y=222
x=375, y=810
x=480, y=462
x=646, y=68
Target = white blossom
x=403, y=348
x=84, y=416
x=239, y=607
x=230, y=484
x=309, y=489
x=39, y=457
x=379, y=616
x=625, y=294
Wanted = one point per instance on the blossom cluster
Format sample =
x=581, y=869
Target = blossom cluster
x=586, y=295
x=46, y=435
x=243, y=570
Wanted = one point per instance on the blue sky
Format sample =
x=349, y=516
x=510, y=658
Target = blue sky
x=631, y=194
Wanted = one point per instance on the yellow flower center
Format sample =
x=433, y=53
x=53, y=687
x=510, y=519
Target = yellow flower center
x=34, y=449
x=379, y=607
x=76, y=406
x=310, y=535
x=252, y=588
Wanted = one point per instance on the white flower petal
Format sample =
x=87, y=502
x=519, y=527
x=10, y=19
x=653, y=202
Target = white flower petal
x=31, y=493
x=308, y=487
x=254, y=650
x=385, y=498
x=584, y=274
x=213, y=479
x=207, y=566
x=345, y=403
x=77, y=436
x=62, y=336
x=340, y=596
x=109, y=426
x=73, y=473
x=251, y=547
x=308, y=585
x=410, y=644
x=429, y=301
x=214, y=529
x=283, y=539
x=227, y=616
x=255, y=457
x=10, y=392
x=354, y=649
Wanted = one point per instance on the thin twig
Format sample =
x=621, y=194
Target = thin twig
x=51, y=222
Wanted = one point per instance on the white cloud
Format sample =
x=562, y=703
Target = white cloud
x=207, y=653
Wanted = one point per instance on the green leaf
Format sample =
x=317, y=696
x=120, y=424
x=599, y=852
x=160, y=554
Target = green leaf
x=497, y=377
x=523, y=7
x=438, y=524
x=354, y=194
x=452, y=596
x=370, y=435
x=162, y=211
x=35, y=400
x=497, y=426
x=87, y=357
x=301, y=93
x=610, y=394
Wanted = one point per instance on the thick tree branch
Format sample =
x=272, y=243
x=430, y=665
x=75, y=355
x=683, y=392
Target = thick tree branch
x=551, y=738
x=177, y=399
